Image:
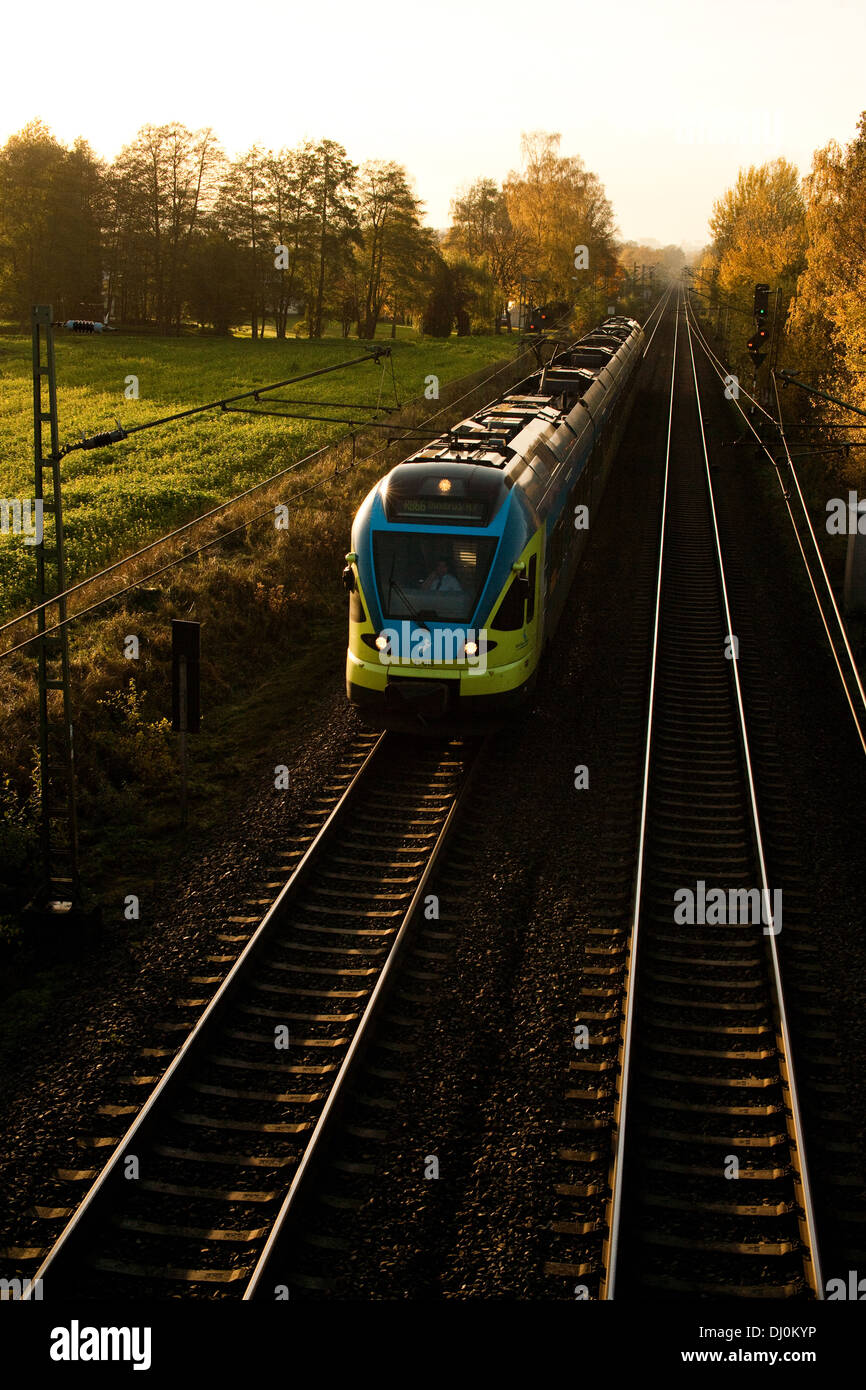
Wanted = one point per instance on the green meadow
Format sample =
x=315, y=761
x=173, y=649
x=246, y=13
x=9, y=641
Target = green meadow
x=270, y=601
x=120, y=497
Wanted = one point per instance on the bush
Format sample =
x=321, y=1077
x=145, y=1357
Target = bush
x=133, y=748
x=19, y=839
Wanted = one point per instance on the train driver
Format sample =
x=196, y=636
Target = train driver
x=441, y=579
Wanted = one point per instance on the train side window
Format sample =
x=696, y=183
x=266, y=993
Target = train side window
x=530, y=600
x=356, y=608
x=509, y=616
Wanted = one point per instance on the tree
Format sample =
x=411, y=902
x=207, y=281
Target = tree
x=558, y=204
x=452, y=297
x=482, y=231
x=391, y=236
x=828, y=317
x=438, y=317
x=51, y=202
x=290, y=176
x=467, y=288
x=242, y=214
x=410, y=257
x=667, y=261
x=759, y=235
x=472, y=215
x=333, y=222
x=163, y=183
x=127, y=249
x=216, y=278
x=759, y=229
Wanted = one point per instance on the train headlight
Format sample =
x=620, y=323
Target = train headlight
x=471, y=649
x=382, y=642
x=444, y=484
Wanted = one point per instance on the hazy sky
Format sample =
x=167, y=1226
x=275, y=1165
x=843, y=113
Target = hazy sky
x=665, y=101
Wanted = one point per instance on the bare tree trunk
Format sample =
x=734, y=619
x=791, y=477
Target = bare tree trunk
x=320, y=293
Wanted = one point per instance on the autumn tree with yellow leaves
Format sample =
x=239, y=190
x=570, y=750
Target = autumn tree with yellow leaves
x=759, y=230
x=558, y=204
x=828, y=318
x=807, y=238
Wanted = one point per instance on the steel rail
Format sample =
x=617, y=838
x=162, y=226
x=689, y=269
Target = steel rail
x=718, y=367
x=614, y=1216
x=662, y=304
x=137, y=1129
x=807, y=1220
x=138, y=1133
x=786, y=1059
x=319, y=1138
x=811, y=530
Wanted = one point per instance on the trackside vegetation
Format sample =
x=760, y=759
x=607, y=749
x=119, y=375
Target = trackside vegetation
x=269, y=598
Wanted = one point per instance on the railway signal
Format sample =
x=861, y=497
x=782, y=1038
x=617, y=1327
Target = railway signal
x=758, y=342
x=757, y=345
x=762, y=304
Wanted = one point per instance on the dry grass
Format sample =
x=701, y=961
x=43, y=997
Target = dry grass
x=272, y=610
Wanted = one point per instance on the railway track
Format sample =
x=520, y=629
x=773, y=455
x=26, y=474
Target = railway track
x=689, y=1159
x=686, y=1169
x=223, y=1146
x=320, y=1243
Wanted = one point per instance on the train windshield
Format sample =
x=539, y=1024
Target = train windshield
x=437, y=578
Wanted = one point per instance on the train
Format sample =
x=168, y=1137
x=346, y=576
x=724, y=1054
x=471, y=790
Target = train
x=462, y=556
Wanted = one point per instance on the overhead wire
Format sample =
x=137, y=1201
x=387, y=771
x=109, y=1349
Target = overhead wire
x=225, y=405
x=214, y=511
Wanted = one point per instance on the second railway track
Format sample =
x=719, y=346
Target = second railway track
x=714, y=1194
x=192, y=1192
x=689, y=1161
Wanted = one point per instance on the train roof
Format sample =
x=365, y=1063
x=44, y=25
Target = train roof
x=490, y=437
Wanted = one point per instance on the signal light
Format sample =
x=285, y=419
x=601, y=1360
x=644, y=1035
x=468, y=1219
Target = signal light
x=756, y=343
x=762, y=302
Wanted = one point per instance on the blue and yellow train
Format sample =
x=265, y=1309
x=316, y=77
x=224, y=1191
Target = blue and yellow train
x=463, y=555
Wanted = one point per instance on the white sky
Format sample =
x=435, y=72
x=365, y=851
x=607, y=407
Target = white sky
x=664, y=99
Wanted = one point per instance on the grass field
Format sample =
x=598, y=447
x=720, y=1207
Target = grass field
x=270, y=601
x=116, y=499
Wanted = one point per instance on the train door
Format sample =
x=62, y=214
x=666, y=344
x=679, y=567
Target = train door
x=534, y=607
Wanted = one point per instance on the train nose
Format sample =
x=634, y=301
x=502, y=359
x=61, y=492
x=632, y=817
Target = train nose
x=416, y=697
x=411, y=644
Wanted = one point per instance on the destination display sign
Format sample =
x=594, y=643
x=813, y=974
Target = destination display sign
x=465, y=511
